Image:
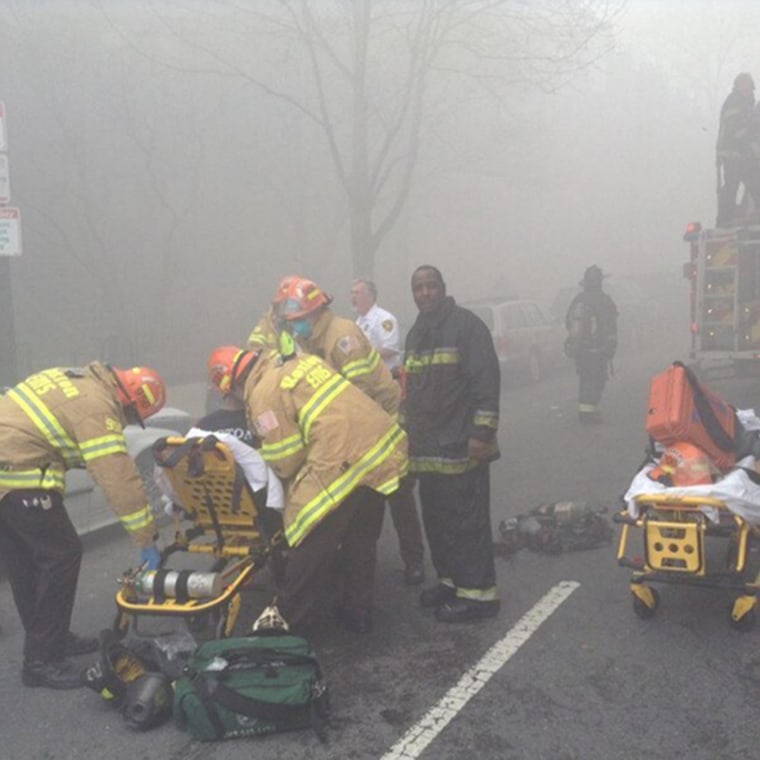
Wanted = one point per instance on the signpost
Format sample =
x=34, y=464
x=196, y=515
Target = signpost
x=3, y=140
x=10, y=245
x=10, y=231
x=5, y=180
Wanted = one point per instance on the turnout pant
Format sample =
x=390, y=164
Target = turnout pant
x=42, y=554
x=735, y=173
x=592, y=377
x=406, y=521
x=457, y=518
x=354, y=527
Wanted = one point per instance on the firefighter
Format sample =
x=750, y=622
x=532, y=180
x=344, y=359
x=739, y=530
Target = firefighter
x=733, y=154
x=305, y=313
x=451, y=414
x=265, y=333
x=53, y=421
x=591, y=323
x=339, y=454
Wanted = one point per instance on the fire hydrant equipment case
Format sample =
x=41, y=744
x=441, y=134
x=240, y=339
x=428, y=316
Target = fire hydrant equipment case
x=682, y=409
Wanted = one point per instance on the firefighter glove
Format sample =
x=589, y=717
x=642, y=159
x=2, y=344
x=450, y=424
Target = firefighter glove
x=150, y=557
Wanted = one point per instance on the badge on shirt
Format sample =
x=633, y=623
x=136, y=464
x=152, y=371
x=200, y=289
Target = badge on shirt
x=265, y=423
x=348, y=343
x=387, y=325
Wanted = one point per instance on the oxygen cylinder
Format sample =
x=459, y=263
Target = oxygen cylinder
x=174, y=583
x=565, y=511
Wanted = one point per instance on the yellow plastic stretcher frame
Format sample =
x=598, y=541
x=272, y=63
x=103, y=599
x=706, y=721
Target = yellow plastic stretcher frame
x=674, y=541
x=216, y=497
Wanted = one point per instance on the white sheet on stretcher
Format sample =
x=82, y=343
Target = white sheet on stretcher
x=735, y=489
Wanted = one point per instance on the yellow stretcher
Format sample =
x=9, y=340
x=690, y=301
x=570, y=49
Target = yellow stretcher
x=225, y=529
x=675, y=550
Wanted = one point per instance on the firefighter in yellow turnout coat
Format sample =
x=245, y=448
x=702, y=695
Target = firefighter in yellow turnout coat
x=339, y=454
x=53, y=421
x=304, y=311
x=265, y=334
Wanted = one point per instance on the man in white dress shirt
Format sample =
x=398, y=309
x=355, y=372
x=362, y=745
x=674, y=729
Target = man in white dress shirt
x=379, y=325
x=381, y=329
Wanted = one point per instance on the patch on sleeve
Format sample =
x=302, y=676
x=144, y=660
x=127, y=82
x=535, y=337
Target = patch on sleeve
x=387, y=325
x=265, y=423
x=113, y=426
x=348, y=343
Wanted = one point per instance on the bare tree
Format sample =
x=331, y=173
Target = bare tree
x=373, y=75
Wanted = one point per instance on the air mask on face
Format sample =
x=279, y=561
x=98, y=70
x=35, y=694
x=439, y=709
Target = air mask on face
x=301, y=328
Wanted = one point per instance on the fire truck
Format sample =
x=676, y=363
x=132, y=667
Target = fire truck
x=724, y=273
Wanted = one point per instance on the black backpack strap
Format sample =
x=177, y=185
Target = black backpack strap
x=253, y=708
x=176, y=455
x=238, y=484
x=214, y=517
x=265, y=656
x=715, y=430
x=256, y=708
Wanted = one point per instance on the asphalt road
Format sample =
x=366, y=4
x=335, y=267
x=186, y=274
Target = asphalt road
x=571, y=672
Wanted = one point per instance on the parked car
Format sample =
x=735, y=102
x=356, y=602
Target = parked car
x=527, y=338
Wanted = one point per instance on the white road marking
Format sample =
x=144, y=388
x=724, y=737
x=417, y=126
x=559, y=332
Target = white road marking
x=413, y=742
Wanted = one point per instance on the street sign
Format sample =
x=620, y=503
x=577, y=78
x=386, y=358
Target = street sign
x=10, y=231
x=5, y=180
x=3, y=141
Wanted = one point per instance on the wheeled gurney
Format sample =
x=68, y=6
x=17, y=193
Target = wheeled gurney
x=677, y=532
x=225, y=535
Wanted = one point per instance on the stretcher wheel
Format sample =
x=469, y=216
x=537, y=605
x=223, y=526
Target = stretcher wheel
x=744, y=624
x=642, y=609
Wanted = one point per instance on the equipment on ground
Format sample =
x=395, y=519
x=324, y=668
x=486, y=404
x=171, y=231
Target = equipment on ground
x=116, y=667
x=555, y=528
x=251, y=686
x=148, y=701
x=128, y=674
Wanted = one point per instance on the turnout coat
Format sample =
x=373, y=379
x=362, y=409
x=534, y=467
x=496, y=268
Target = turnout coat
x=343, y=345
x=322, y=436
x=60, y=419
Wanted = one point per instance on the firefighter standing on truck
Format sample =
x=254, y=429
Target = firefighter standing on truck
x=733, y=151
x=451, y=415
x=381, y=329
x=338, y=454
x=51, y=422
x=591, y=324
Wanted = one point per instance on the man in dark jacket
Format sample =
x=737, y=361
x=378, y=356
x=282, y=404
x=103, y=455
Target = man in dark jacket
x=451, y=414
x=733, y=152
x=591, y=323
